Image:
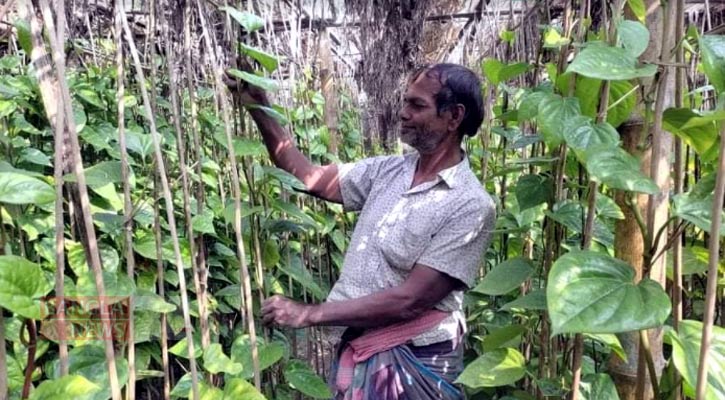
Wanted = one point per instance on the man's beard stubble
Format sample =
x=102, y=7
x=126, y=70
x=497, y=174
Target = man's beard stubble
x=421, y=139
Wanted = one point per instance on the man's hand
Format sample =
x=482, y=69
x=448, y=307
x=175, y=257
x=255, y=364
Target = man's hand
x=281, y=311
x=248, y=94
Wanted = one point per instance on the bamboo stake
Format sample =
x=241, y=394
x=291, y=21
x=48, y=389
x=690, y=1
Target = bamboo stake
x=160, y=284
x=246, y=288
x=127, y=205
x=3, y=357
x=201, y=297
x=59, y=226
x=59, y=245
x=95, y=261
x=712, y=272
x=169, y=208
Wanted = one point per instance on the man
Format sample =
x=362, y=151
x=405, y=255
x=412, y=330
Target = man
x=425, y=221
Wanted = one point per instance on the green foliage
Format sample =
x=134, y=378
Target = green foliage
x=686, y=356
x=18, y=188
x=619, y=305
x=697, y=130
x=246, y=20
x=554, y=110
x=494, y=368
x=498, y=72
x=505, y=277
x=713, y=60
x=22, y=284
x=609, y=63
x=75, y=386
x=618, y=169
x=302, y=378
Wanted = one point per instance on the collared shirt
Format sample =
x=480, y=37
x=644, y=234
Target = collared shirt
x=444, y=224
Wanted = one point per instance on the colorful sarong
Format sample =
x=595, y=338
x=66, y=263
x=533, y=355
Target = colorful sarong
x=382, y=365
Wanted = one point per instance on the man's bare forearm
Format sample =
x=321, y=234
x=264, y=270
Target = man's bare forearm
x=378, y=309
x=282, y=149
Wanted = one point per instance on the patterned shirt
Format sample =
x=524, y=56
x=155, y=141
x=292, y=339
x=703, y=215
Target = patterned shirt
x=444, y=224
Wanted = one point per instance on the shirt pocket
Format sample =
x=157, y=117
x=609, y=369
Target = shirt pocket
x=405, y=244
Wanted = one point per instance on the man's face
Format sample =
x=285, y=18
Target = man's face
x=421, y=126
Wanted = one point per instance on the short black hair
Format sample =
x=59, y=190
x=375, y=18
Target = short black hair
x=459, y=85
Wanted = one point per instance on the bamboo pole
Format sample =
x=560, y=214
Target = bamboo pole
x=246, y=287
x=712, y=272
x=171, y=219
x=56, y=42
x=127, y=205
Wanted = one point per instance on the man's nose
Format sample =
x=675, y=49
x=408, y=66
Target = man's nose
x=403, y=114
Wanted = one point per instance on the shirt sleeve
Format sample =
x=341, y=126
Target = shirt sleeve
x=457, y=248
x=357, y=179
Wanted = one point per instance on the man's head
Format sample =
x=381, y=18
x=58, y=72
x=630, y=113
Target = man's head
x=442, y=102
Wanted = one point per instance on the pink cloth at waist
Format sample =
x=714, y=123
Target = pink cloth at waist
x=382, y=339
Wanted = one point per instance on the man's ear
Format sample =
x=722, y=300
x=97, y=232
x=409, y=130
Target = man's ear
x=457, y=113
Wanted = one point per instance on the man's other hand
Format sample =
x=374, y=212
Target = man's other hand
x=248, y=94
x=281, y=311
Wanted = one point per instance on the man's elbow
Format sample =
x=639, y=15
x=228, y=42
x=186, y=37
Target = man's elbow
x=411, y=307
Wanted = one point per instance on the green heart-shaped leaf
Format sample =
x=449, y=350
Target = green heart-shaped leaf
x=686, y=355
x=22, y=285
x=499, y=367
x=617, y=169
x=609, y=63
x=590, y=292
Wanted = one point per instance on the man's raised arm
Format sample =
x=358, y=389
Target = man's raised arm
x=320, y=181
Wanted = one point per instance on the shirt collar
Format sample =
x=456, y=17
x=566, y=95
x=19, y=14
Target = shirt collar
x=451, y=176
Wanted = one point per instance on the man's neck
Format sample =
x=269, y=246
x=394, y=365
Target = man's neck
x=429, y=165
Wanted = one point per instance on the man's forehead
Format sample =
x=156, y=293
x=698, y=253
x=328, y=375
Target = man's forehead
x=425, y=83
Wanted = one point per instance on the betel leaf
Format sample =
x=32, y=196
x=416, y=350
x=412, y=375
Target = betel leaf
x=506, y=336
x=256, y=80
x=697, y=211
x=275, y=112
x=588, y=92
x=581, y=133
x=505, y=277
x=181, y=348
x=633, y=36
x=89, y=361
x=236, y=388
x=499, y=367
x=529, y=105
x=712, y=48
x=686, y=356
x=75, y=387
x=248, y=21
x=532, y=190
x=147, y=300
x=215, y=361
x=617, y=169
x=499, y=72
x=266, y=60
x=22, y=285
x=591, y=292
x=638, y=9
x=694, y=261
x=553, y=111
x=700, y=131
x=17, y=188
x=268, y=353
x=534, y=300
x=204, y=222
x=118, y=286
x=301, y=377
x=610, y=340
x=22, y=27
x=609, y=63
x=597, y=387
